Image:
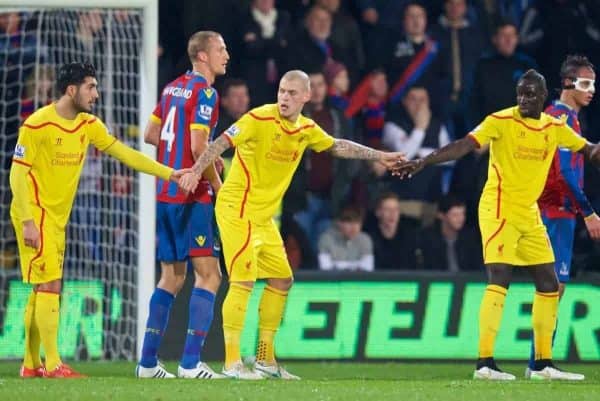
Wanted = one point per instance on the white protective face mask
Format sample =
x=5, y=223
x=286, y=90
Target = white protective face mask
x=584, y=85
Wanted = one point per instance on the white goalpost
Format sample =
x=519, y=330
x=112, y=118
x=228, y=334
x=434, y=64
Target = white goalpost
x=109, y=267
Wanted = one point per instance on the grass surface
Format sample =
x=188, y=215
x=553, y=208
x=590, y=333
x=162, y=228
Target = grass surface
x=321, y=381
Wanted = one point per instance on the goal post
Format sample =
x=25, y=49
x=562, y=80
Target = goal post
x=126, y=58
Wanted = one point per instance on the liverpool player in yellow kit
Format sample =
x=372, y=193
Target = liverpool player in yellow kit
x=47, y=163
x=522, y=144
x=269, y=142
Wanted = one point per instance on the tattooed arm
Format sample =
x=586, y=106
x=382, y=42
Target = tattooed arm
x=346, y=149
x=189, y=181
x=452, y=151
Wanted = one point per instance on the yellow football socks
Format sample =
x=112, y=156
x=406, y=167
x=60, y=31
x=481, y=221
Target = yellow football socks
x=234, y=313
x=545, y=307
x=46, y=315
x=490, y=315
x=270, y=312
x=31, y=359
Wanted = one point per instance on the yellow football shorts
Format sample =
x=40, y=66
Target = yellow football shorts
x=44, y=264
x=519, y=241
x=252, y=250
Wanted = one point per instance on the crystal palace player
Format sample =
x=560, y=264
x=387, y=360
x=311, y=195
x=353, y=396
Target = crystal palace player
x=563, y=197
x=47, y=164
x=181, y=127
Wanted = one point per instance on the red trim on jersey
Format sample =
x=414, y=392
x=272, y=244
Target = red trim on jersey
x=21, y=162
x=111, y=144
x=92, y=120
x=279, y=123
x=228, y=139
x=247, y=173
x=200, y=252
x=241, y=249
x=472, y=137
x=35, y=189
x=493, y=236
x=57, y=126
x=523, y=123
x=499, y=196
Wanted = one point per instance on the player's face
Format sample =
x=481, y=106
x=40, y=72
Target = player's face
x=291, y=97
x=531, y=96
x=584, y=88
x=217, y=55
x=86, y=95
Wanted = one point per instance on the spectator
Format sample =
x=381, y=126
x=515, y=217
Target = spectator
x=264, y=34
x=394, y=237
x=345, y=35
x=297, y=245
x=461, y=43
x=321, y=183
x=234, y=103
x=338, y=84
x=413, y=59
x=344, y=246
x=449, y=245
x=368, y=102
x=313, y=47
x=496, y=74
x=37, y=91
x=412, y=129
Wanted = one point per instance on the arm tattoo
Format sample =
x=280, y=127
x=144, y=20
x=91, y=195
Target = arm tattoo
x=211, y=153
x=351, y=150
x=452, y=151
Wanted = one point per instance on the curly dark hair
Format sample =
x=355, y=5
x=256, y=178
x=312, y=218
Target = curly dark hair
x=572, y=64
x=73, y=74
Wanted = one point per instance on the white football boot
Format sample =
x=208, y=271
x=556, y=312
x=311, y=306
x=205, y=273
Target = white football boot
x=157, y=372
x=487, y=373
x=552, y=373
x=241, y=372
x=274, y=371
x=201, y=371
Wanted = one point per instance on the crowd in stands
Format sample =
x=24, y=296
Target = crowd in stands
x=398, y=75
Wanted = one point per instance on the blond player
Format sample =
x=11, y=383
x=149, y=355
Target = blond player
x=47, y=163
x=269, y=142
x=522, y=141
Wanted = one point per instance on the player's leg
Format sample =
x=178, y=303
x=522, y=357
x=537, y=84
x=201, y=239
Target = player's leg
x=499, y=239
x=204, y=253
x=237, y=237
x=173, y=261
x=274, y=266
x=561, y=233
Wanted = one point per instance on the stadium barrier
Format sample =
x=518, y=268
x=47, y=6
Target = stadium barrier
x=333, y=316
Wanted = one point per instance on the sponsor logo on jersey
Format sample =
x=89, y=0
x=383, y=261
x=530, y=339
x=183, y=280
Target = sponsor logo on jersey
x=200, y=240
x=19, y=151
x=205, y=111
x=233, y=131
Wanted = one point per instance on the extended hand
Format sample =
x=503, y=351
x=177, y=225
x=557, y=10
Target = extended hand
x=408, y=168
x=31, y=234
x=391, y=159
x=592, y=224
x=177, y=174
x=189, y=182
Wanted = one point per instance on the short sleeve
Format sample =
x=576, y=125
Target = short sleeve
x=319, y=140
x=99, y=135
x=241, y=131
x=204, y=110
x=27, y=146
x=486, y=132
x=567, y=138
x=156, y=115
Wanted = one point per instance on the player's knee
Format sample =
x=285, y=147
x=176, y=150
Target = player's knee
x=171, y=282
x=546, y=283
x=283, y=284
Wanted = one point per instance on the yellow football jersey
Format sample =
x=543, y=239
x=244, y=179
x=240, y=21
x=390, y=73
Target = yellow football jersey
x=268, y=151
x=521, y=150
x=55, y=149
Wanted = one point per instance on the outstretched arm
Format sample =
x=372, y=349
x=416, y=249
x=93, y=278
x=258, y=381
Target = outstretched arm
x=346, y=149
x=452, y=151
x=189, y=181
x=591, y=153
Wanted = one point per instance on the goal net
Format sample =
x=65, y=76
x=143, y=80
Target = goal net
x=99, y=304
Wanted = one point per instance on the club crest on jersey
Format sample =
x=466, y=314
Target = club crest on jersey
x=205, y=111
x=19, y=151
x=200, y=240
x=233, y=131
x=209, y=92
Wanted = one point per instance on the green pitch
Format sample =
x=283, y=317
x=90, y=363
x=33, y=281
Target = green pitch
x=321, y=381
